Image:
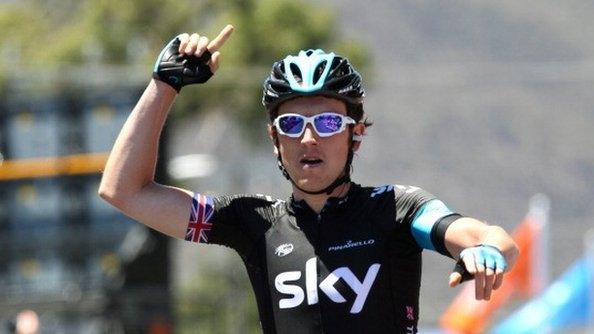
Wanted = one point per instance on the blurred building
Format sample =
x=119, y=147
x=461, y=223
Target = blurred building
x=67, y=254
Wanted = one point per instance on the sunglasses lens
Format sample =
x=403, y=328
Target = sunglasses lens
x=291, y=124
x=328, y=123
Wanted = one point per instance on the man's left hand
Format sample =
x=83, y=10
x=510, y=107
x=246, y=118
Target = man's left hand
x=487, y=264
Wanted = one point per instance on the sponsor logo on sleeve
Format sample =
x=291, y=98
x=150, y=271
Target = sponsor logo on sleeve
x=407, y=189
x=381, y=189
x=276, y=202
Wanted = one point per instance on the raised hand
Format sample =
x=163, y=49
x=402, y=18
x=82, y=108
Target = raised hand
x=190, y=59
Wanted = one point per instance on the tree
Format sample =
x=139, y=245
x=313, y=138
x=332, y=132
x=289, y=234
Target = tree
x=48, y=34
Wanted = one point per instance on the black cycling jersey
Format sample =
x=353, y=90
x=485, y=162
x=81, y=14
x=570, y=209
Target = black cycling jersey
x=353, y=268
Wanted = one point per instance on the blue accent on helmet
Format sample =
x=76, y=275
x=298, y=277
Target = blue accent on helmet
x=308, y=63
x=427, y=216
x=312, y=72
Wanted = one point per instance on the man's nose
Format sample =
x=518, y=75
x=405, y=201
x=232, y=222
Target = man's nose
x=309, y=135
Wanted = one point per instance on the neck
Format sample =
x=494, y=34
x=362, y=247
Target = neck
x=317, y=202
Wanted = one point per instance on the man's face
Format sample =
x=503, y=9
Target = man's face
x=313, y=162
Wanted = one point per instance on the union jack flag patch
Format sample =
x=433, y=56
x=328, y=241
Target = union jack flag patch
x=199, y=226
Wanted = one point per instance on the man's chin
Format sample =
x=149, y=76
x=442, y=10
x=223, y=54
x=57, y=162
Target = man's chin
x=311, y=185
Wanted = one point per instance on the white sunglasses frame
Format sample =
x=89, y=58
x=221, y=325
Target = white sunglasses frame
x=346, y=120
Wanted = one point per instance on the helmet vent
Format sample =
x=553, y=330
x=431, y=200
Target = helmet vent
x=278, y=70
x=280, y=88
x=339, y=70
x=296, y=73
x=319, y=71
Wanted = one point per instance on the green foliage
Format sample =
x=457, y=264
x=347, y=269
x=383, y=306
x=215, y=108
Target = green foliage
x=220, y=300
x=53, y=33
x=49, y=33
x=271, y=28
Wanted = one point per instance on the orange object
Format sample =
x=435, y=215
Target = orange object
x=160, y=325
x=466, y=315
x=52, y=166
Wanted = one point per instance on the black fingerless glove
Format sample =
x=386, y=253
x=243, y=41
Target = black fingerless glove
x=178, y=70
x=460, y=268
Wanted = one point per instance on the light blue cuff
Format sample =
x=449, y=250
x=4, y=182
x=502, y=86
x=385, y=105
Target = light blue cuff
x=429, y=214
x=487, y=256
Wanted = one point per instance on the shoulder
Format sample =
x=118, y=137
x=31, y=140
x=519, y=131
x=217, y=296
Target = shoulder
x=411, y=193
x=248, y=202
x=398, y=192
x=255, y=199
x=404, y=200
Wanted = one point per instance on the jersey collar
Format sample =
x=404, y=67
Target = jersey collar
x=333, y=204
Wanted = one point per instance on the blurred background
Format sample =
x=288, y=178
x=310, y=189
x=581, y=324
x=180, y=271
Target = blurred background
x=484, y=104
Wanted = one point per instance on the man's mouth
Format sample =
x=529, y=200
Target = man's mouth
x=311, y=162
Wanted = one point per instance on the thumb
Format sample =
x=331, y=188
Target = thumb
x=214, y=61
x=455, y=279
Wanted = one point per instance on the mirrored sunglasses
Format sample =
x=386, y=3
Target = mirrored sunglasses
x=325, y=124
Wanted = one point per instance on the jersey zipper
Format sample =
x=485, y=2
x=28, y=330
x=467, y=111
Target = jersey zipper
x=319, y=216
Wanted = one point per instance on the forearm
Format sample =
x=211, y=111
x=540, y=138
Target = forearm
x=132, y=161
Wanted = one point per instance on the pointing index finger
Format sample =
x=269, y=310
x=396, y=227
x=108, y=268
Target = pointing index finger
x=223, y=36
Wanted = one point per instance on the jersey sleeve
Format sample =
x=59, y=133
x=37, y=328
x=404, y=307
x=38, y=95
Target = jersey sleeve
x=427, y=217
x=232, y=221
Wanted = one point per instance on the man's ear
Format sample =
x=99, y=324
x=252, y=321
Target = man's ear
x=273, y=137
x=358, y=132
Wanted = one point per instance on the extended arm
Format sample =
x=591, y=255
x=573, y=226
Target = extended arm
x=128, y=179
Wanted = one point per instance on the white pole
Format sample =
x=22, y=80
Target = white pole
x=539, y=214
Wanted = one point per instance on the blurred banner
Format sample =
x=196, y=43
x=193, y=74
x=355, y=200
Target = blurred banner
x=528, y=277
x=567, y=303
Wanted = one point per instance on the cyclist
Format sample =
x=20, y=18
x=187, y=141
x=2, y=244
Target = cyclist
x=335, y=256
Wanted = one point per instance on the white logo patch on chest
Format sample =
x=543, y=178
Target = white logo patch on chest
x=283, y=250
